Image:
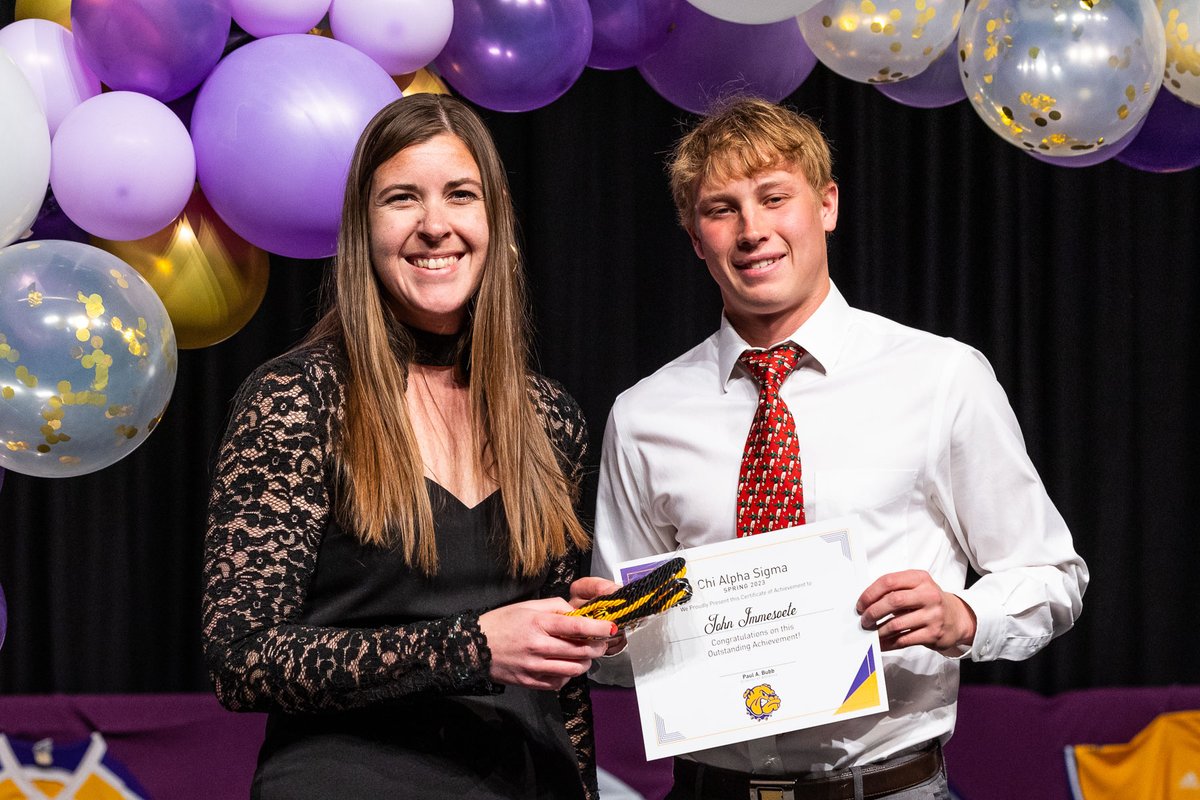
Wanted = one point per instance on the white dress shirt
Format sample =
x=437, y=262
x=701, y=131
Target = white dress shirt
x=909, y=431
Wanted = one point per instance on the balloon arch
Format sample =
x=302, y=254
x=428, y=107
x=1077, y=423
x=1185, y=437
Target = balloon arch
x=170, y=145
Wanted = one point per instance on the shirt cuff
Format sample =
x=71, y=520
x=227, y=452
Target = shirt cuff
x=989, y=628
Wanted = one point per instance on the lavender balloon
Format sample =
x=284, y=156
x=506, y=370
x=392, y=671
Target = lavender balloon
x=516, y=56
x=627, y=32
x=45, y=51
x=163, y=48
x=272, y=17
x=705, y=58
x=122, y=165
x=1169, y=141
x=274, y=128
x=937, y=86
x=401, y=35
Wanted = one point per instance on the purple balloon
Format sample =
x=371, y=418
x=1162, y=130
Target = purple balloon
x=163, y=48
x=936, y=86
x=1092, y=157
x=510, y=56
x=627, y=32
x=122, y=166
x=274, y=128
x=46, y=53
x=705, y=59
x=1169, y=141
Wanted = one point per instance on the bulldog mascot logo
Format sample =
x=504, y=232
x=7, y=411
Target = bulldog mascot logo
x=761, y=701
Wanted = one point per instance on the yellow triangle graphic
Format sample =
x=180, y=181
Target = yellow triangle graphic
x=865, y=696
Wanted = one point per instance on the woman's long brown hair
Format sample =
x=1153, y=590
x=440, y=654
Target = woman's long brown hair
x=385, y=501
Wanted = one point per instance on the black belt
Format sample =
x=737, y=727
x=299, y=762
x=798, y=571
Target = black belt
x=878, y=780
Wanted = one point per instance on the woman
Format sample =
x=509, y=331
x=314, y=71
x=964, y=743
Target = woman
x=391, y=527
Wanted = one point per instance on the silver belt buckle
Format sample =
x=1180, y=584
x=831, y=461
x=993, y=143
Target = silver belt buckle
x=762, y=789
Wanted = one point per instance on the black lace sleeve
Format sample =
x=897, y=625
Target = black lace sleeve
x=568, y=431
x=268, y=509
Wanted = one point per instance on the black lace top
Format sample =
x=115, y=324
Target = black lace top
x=369, y=670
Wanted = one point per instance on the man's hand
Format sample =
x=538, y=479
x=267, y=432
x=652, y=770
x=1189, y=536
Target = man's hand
x=909, y=608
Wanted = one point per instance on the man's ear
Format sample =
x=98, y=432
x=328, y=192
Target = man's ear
x=829, y=207
x=691, y=232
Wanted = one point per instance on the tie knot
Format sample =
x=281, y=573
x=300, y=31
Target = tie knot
x=771, y=367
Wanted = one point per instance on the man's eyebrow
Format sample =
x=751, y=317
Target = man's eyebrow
x=720, y=196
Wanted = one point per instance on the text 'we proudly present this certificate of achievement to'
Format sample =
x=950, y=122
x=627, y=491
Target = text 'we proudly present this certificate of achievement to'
x=769, y=642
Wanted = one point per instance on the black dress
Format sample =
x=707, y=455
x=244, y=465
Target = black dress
x=374, y=676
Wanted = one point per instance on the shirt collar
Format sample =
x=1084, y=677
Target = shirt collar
x=821, y=336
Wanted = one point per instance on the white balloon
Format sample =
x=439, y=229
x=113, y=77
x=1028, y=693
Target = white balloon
x=45, y=52
x=1181, y=20
x=24, y=152
x=753, y=12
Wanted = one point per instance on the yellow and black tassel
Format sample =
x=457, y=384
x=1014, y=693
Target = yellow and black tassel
x=650, y=594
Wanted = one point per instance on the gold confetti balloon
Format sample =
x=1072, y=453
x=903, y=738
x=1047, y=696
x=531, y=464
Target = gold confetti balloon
x=210, y=280
x=87, y=359
x=1061, y=78
x=880, y=41
x=1181, y=21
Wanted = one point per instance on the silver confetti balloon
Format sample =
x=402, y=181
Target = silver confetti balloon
x=1061, y=77
x=87, y=358
x=880, y=41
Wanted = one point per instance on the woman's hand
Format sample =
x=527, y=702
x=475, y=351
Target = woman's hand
x=584, y=591
x=534, y=644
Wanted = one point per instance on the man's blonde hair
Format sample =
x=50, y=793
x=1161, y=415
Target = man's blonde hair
x=742, y=137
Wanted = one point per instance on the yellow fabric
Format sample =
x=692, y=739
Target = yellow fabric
x=48, y=788
x=1161, y=763
x=96, y=788
x=9, y=790
x=90, y=779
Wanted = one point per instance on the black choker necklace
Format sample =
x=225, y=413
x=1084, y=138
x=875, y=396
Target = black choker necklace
x=434, y=349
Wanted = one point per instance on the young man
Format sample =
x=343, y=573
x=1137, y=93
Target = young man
x=907, y=430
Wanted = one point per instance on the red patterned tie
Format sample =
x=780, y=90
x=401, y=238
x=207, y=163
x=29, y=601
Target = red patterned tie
x=770, y=494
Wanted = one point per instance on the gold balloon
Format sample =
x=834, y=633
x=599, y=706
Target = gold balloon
x=54, y=10
x=423, y=81
x=210, y=279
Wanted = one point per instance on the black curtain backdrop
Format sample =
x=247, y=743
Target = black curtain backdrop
x=1080, y=285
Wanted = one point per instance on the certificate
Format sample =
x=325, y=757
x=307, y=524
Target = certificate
x=769, y=642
